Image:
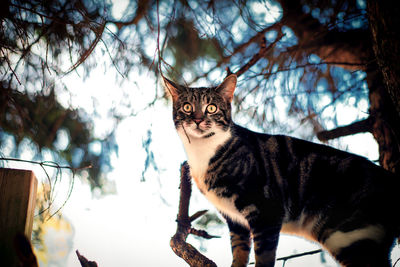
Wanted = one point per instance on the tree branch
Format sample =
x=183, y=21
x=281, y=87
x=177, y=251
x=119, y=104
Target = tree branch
x=85, y=262
x=329, y=44
x=178, y=241
x=299, y=255
x=258, y=37
x=354, y=128
x=261, y=53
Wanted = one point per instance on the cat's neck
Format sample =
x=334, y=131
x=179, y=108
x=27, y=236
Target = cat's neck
x=200, y=150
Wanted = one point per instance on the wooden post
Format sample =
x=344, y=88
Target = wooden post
x=17, y=205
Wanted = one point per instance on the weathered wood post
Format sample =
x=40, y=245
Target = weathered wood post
x=17, y=205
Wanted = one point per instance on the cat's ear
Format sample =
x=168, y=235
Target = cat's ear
x=171, y=88
x=227, y=87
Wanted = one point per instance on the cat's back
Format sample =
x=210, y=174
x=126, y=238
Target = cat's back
x=289, y=159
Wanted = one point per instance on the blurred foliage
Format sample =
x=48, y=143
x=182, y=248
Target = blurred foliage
x=187, y=47
x=40, y=42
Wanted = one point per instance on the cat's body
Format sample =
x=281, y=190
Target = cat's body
x=266, y=184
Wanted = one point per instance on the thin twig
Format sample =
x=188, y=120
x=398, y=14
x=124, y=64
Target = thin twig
x=285, y=258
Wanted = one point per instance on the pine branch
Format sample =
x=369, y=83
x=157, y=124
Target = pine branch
x=258, y=37
x=264, y=49
x=202, y=233
x=178, y=242
x=354, y=128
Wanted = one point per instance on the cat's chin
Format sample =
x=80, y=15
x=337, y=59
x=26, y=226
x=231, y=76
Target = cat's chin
x=196, y=132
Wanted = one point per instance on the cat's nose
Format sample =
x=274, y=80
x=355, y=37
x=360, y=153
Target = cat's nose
x=197, y=121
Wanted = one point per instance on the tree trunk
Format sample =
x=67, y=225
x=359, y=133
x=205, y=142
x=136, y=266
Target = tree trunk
x=385, y=123
x=384, y=21
x=384, y=81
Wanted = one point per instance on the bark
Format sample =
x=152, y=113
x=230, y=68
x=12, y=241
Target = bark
x=178, y=242
x=386, y=125
x=354, y=128
x=384, y=21
x=84, y=261
x=384, y=81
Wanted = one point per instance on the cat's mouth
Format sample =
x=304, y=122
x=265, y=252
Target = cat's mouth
x=197, y=130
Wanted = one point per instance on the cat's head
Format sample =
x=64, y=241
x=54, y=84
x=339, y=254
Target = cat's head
x=202, y=112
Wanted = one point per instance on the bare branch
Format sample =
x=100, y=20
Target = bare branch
x=202, y=233
x=285, y=258
x=354, y=128
x=178, y=241
x=85, y=262
x=197, y=215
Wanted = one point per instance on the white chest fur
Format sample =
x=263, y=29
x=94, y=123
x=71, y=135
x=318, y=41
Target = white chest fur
x=199, y=152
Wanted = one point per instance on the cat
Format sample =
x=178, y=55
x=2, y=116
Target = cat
x=266, y=184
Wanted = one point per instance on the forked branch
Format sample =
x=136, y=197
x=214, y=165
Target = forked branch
x=178, y=242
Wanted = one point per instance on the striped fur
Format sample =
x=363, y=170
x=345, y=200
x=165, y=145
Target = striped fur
x=266, y=184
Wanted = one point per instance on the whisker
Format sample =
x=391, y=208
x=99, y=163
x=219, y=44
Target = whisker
x=187, y=136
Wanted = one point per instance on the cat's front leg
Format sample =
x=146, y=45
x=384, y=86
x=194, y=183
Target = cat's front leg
x=240, y=242
x=265, y=243
x=265, y=238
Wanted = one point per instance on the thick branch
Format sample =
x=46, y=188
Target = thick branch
x=354, y=128
x=178, y=241
x=383, y=18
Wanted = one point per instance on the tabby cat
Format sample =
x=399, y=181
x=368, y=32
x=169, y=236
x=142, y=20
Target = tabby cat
x=266, y=184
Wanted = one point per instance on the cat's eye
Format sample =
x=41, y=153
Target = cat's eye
x=211, y=108
x=187, y=107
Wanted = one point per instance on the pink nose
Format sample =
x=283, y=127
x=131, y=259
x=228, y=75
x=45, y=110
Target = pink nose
x=197, y=121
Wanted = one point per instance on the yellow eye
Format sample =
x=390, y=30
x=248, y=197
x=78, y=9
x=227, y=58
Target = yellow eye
x=211, y=108
x=187, y=107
